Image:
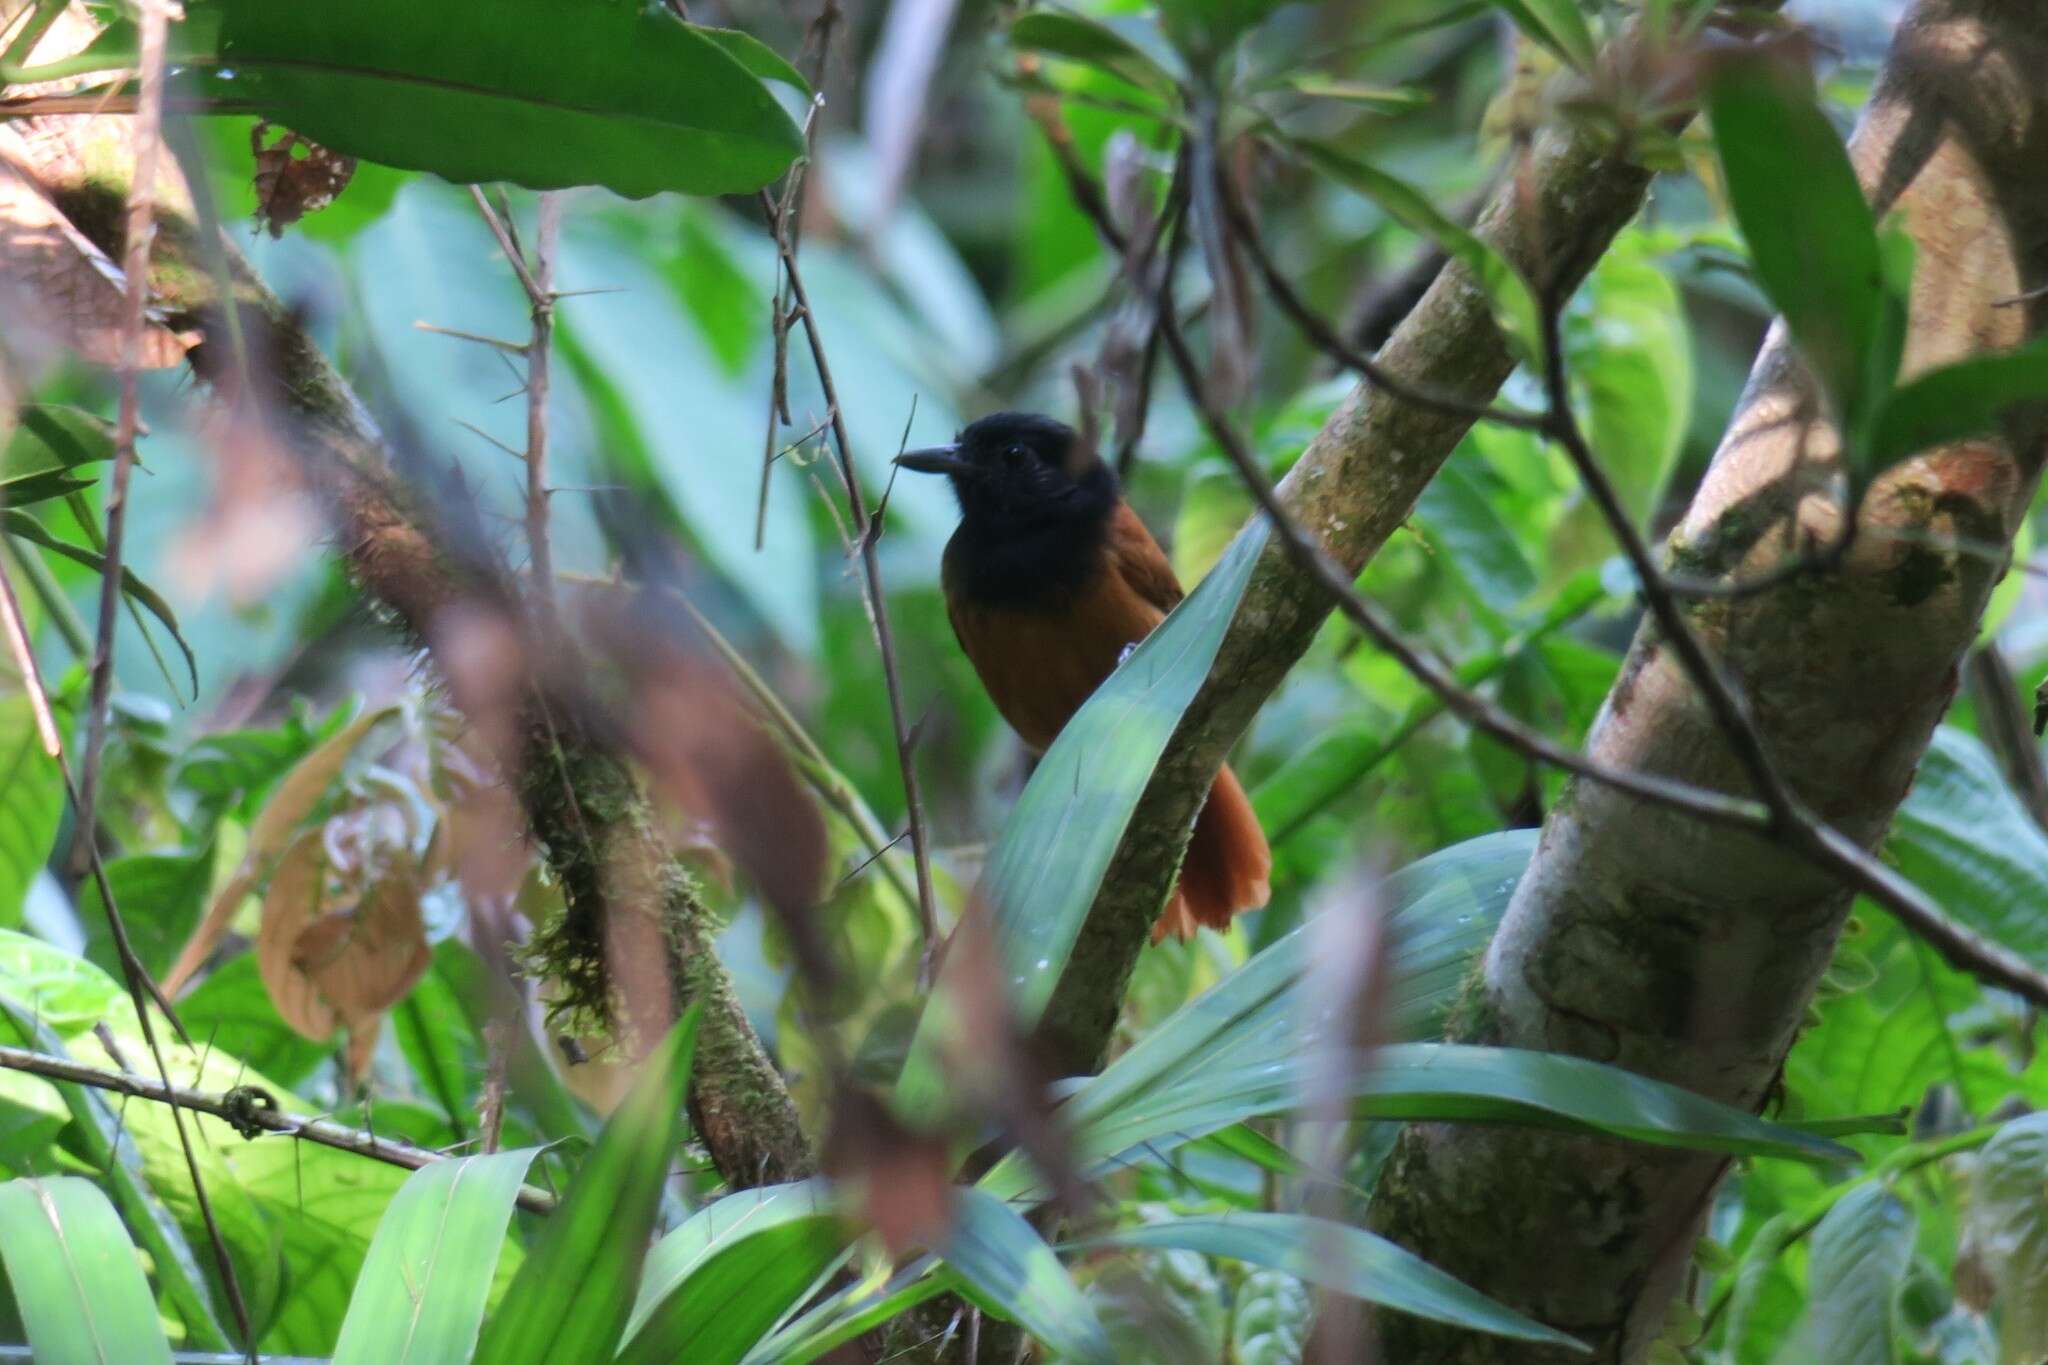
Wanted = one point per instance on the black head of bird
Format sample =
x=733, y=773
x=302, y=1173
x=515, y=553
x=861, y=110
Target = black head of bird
x=1020, y=468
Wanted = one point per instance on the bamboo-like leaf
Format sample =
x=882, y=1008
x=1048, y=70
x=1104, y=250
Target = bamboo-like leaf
x=1091, y=43
x=717, y=1284
x=419, y=1299
x=1346, y=1259
x=1558, y=25
x=570, y=1299
x=1056, y=845
x=476, y=90
x=855, y=1310
x=22, y=526
x=1811, y=234
x=1964, y=399
x=75, y=1276
x=50, y=442
x=1009, y=1268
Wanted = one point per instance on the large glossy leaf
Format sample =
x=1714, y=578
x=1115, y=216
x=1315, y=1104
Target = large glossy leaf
x=1412, y=209
x=1860, y=1254
x=1811, y=235
x=716, y=1285
x=420, y=1297
x=31, y=804
x=25, y=527
x=1009, y=1268
x=1056, y=845
x=543, y=93
x=1965, y=839
x=1346, y=1259
x=75, y=1276
x=571, y=1298
x=1959, y=400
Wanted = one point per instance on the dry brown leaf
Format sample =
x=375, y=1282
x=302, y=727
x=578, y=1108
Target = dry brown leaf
x=295, y=176
x=296, y=900
x=286, y=810
x=363, y=959
x=362, y=1049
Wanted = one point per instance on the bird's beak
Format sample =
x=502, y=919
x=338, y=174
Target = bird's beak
x=935, y=460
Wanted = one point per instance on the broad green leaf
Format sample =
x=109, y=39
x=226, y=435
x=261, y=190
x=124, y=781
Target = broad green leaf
x=676, y=1257
x=75, y=1276
x=1008, y=1267
x=98, y=1135
x=43, y=456
x=1860, y=1254
x=847, y=1313
x=2007, y=1228
x=757, y=57
x=1559, y=26
x=31, y=805
x=1956, y=401
x=570, y=1300
x=638, y=102
x=161, y=896
x=1477, y=543
x=32, y=1111
x=1204, y=28
x=22, y=526
x=1965, y=839
x=1810, y=232
x=420, y=1297
x=62, y=990
x=231, y=1009
x=1079, y=39
x=1046, y=866
x=715, y=1286
x=439, y=1041
x=1441, y=910
x=1346, y=1259
x=1513, y=302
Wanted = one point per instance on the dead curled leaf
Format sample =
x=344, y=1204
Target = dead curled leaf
x=327, y=961
x=295, y=176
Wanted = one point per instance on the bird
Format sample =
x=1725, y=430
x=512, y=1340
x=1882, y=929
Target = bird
x=1050, y=580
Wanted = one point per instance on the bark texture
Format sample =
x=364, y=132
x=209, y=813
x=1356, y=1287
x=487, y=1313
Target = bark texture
x=1353, y=486
x=582, y=800
x=1688, y=953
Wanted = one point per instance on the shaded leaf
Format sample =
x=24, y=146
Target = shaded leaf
x=1558, y=25
x=25, y=527
x=1084, y=40
x=2006, y=1227
x=1957, y=401
x=1009, y=1268
x=1860, y=1253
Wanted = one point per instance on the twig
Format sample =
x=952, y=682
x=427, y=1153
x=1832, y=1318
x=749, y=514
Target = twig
x=866, y=534
x=248, y=1109
x=2008, y=729
x=83, y=792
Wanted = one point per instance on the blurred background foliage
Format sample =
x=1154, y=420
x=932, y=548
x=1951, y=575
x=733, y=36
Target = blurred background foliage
x=953, y=276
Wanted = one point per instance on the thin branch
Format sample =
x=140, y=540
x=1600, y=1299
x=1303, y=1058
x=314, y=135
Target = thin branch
x=866, y=535
x=248, y=1109
x=541, y=556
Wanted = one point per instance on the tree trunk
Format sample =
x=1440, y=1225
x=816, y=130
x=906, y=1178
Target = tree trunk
x=1688, y=953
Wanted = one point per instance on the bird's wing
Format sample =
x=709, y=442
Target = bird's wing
x=1139, y=561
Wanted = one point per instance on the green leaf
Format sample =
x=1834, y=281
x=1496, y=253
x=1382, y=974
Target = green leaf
x=420, y=1297
x=1481, y=548
x=757, y=57
x=717, y=1284
x=1514, y=304
x=1044, y=871
x=75, y=1276
x=1382, y=98
x=49, y=443
x=66, y=992
x=1957, y=401
x=1558, y=25
x=231, y=1009
x=570, y=1300
x=1270, y=1319
x=1009, y=1268
x=31, y=805
x=25, y=527
x=1346, y=1259
x=1206, y=27
x=1060, y=34
x=854, y=1310
x=1811, y=234
x=161, y=895
x=1441, y=911
x=1860, y=1254
x=638, y=101
x=97, y=1134
x=2007, y=1227
x=438, y=1039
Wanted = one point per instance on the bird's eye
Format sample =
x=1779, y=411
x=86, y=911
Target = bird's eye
x=1015, y=454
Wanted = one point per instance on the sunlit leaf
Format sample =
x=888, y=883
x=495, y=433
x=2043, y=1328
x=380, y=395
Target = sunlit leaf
x=1956, y=401
x=31, y=805
x=75, y=1276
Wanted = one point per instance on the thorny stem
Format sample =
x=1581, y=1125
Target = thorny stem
x=247, y=1108
x=867, y=532
x=84, y=792
x=541, y=558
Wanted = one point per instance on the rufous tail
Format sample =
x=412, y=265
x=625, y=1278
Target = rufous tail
x=1228, y=869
